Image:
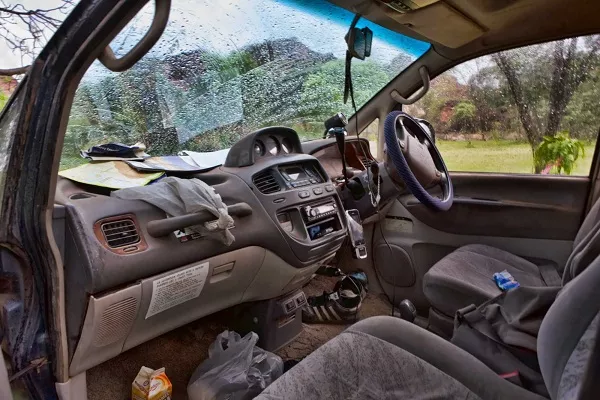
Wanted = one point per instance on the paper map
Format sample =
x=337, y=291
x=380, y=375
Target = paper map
x=110, y=174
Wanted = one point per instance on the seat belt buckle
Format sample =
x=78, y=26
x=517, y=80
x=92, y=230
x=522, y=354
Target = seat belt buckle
x=460, y=314
x=513, y=377
x=360, y=252
x=459, y=317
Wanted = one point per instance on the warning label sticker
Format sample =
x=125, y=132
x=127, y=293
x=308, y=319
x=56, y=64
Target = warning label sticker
x=177, y=288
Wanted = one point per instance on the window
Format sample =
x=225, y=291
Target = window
x=224, y=69
x=371, y=133
x=528, y=110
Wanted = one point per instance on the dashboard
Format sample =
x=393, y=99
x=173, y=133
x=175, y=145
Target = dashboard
x=273, y=145
x=288, y=212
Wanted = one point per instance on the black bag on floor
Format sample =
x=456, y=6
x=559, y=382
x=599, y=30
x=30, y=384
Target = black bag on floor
x=502, y=333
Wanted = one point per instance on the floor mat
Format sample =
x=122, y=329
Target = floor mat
x=314, y=335
x=182, y=350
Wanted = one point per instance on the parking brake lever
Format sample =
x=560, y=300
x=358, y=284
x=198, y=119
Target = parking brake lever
x=357, y=238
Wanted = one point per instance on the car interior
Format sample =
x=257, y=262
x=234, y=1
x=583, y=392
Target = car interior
x=430, y=237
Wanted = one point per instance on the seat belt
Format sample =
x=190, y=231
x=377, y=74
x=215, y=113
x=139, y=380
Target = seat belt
x=550, y=275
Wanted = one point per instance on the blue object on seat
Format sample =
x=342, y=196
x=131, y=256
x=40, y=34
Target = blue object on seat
x=505, y=281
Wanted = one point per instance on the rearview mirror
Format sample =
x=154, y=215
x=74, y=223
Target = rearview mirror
x=359, y=42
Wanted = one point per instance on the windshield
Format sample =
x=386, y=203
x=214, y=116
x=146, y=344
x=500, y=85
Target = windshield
x=224, y=69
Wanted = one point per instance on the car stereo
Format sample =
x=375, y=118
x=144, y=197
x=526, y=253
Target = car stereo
x=321, y=219
x=313, y=213
x=299, y=175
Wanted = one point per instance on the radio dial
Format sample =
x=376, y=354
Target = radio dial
x=314, y=212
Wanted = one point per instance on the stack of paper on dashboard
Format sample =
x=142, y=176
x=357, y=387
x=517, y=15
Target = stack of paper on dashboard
x=115, y=152
x=167, y=164
x=207, y=159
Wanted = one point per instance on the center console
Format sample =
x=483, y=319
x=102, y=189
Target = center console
x=309, y=220
x=295, y=192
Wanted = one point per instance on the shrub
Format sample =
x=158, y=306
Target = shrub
x=558, y=153
x=463, y=117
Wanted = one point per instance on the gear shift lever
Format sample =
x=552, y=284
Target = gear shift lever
x=340, y=139
x=406, y=311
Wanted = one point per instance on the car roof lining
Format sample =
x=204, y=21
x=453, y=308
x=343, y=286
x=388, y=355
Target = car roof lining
x=483, y=26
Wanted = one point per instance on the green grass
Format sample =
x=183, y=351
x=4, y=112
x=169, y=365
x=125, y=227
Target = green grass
x=499, y=156
x=478, y=156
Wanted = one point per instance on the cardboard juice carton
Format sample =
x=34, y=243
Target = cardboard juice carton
x=151, y=384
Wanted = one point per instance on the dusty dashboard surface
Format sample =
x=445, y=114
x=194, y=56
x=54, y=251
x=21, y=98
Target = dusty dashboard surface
x=292, y=222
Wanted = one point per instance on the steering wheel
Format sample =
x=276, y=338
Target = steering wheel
x=416, y=159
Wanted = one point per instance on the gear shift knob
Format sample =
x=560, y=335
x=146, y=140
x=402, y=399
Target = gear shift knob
x=406, y=311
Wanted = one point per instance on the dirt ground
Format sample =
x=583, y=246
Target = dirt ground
x=182, y=350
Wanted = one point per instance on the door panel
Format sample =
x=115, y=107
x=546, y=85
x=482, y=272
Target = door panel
x=535, y=217
x=523, y=206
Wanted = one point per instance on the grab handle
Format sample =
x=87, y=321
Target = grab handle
x=164, y=227
x=159, y=23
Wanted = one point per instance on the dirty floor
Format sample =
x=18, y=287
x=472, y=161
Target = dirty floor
x=180, y=351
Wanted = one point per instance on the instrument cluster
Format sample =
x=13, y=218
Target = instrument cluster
x=272, y=146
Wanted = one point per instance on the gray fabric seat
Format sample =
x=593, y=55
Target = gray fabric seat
x=464, y=277
x=388, y=358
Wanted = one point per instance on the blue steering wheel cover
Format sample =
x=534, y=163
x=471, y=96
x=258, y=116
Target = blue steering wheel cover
x=399, y=161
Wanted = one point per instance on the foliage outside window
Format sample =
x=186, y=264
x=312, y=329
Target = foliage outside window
x=222, y=70
x=505, y=112
x=558, y=153
x=371, y=133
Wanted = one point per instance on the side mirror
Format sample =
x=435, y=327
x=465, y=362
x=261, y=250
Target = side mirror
x=359, y=42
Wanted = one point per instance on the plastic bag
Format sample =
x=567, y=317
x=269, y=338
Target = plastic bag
x=236, y=369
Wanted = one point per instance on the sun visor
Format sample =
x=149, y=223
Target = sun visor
x=438, y=22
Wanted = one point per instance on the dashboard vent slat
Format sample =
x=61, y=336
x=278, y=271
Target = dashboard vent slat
x=366, y=162
x=120, y=233
x=265, y=182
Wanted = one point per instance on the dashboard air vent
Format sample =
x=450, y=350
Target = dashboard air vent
x=366, y=162
x=362, y=149
x=120, y=233
x=265, y=182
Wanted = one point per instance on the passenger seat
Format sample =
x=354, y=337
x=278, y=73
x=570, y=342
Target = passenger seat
x=388, y=358
x=464, y=277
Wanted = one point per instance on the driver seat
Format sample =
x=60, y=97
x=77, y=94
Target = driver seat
x=464, y=277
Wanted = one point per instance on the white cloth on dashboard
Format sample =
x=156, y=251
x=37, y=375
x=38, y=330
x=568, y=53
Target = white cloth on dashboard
x=178, y=196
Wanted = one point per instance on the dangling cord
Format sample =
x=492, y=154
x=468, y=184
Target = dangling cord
x=349, y=90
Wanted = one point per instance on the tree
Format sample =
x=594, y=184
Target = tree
x=464, y=116
x=567, y=63
x=25, y=31
x=436, y=107
x=323, y=91
x=491, y=103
